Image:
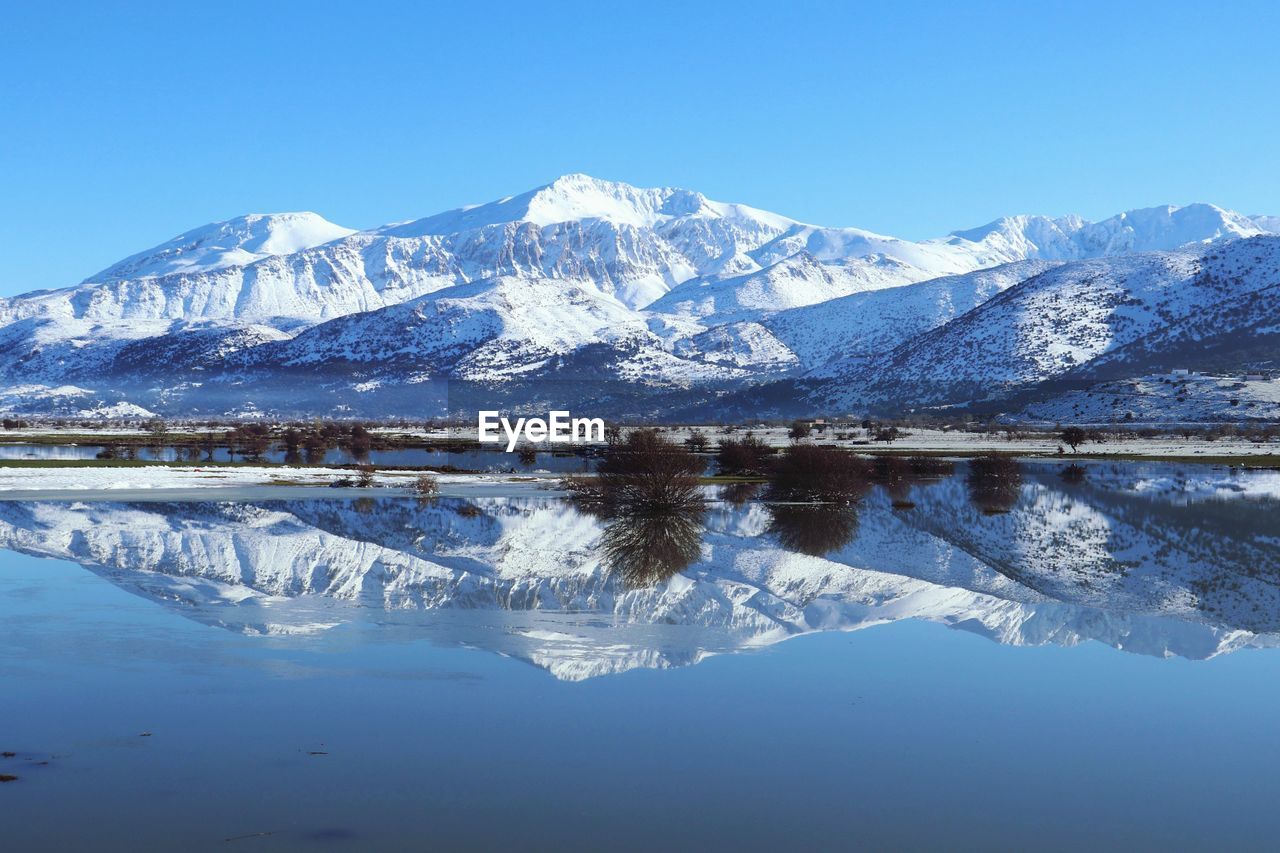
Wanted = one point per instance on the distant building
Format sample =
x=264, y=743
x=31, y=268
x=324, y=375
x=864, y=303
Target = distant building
x=1180, y=371
x=1254, y=377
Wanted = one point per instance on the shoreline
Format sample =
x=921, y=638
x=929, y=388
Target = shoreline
x=168, y=481
x=95, y=480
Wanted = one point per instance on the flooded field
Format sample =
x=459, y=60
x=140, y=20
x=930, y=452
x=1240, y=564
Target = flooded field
x=969, y=660
x=470, y=459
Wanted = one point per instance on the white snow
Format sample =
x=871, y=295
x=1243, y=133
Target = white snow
x=235, y=242
x=93, y=478
x=662, y=277
x=1164, y=398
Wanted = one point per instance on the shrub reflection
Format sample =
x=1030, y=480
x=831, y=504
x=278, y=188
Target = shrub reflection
x=645, y=548
x=813, y=529
x=738, y=494
x=897, y=475
x=994, y=483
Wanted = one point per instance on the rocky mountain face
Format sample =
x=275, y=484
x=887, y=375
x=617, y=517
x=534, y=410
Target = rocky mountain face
x=646, y=292
x=1081, y=321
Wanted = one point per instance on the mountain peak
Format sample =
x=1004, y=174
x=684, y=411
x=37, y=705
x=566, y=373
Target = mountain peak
x=233, y=242
x=578, y=197
x=1147, y=229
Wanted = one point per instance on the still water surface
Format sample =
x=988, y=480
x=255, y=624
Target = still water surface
x=468, y=459
x=1064, y=662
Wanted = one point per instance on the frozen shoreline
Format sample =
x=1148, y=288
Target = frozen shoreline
x=168, y=482
x=1025, y=441
x=88, y=480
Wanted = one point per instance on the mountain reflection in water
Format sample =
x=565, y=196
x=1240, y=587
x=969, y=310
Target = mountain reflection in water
x=1149, y=558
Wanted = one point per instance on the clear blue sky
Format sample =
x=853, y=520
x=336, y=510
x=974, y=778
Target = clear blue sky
x=121, y=127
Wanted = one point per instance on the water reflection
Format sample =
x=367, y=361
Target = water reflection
x=813, y=529
x=898, y=475
x=994, y=483
x=645, y=548
x=1153, y=559
x=739, y=493
x=313, y=452
x=1073, y=474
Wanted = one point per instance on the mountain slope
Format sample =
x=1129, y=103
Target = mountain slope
x=833, y=337
x=1061, y=320
x=495, y=328
x=796, y=281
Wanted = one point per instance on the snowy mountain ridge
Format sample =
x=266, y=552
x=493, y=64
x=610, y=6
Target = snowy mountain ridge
x=1151, y=229
x=1067, y=321
x=235, y=242
x=634, y=244
x=603, y=279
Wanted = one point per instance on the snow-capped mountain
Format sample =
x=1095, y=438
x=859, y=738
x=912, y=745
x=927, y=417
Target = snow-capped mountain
x=591, y=278
x=1073, y=318
x=234, y=243
x=1151, y=229
x=491, y=329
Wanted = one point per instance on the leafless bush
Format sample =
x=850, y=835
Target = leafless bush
x=426, y=486
x=807, y=472
x=647, y=472
x=746, y=455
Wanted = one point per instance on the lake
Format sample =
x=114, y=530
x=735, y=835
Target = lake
x=1065, y=658
x=468, y=459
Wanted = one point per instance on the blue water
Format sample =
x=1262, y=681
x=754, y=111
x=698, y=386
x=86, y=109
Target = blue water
x=468, y=460
x=911, y=733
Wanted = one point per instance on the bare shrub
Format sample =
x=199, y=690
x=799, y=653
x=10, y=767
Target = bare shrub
x=697, y=441
x=647, y=472
x=746, y=455
x=807, y=472
x=426, y=486
x=1073, y=437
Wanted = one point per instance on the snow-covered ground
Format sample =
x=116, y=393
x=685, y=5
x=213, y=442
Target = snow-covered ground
x=1192, y=399
x=967, y=443
x=20, y=482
